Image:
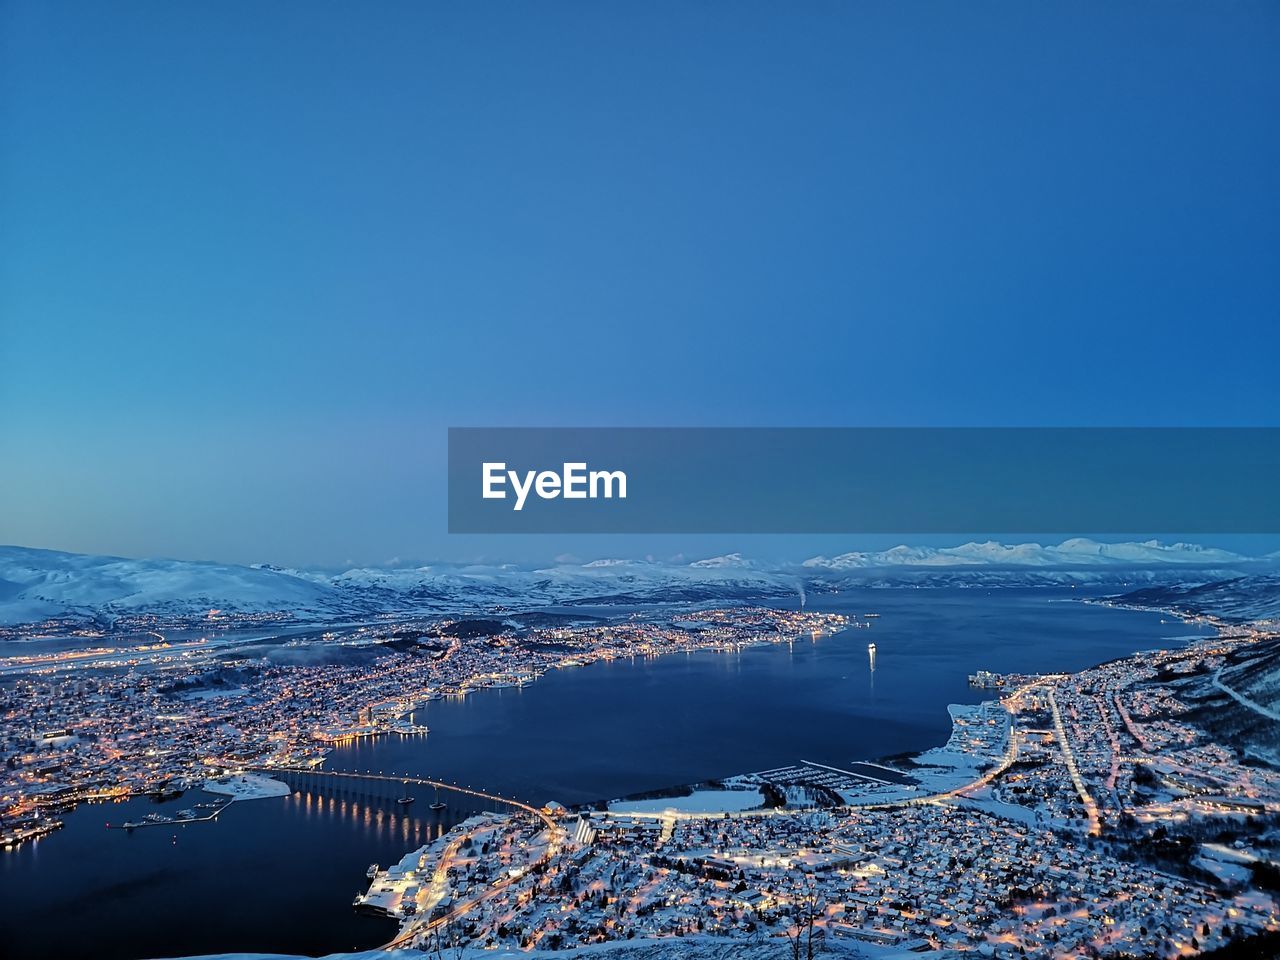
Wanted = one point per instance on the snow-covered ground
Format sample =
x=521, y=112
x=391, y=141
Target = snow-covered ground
x=695, y=948
x=248, y=786
x=982, y=800
x=214, y=693
x=675, y=948
x=700, y=801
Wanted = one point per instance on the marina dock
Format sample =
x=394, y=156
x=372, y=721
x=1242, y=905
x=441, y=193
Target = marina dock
x=163, y=820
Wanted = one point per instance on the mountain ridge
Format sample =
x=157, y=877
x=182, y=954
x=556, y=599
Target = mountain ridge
x=37, y=584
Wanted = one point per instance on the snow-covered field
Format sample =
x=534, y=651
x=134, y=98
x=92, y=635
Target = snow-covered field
x=700, y=801
x=248, y=786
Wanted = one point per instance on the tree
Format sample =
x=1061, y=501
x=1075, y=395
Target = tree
x=800, y=936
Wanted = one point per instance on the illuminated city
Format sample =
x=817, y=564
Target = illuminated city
x=639, y=481
x=1071, y=813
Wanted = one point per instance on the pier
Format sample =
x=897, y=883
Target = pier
x=163, y=820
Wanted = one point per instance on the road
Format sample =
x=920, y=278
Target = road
x=1069, y=758
x=1241, y=699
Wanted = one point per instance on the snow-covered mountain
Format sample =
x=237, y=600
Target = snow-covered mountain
x=39, y=584
x=35, y=584
x=1079, y=551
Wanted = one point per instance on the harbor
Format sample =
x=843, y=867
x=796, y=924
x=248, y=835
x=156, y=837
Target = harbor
x=810, y=699
x=27, y=830
x=202, y=812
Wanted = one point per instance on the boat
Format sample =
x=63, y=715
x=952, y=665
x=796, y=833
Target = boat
x=186, y=814
x=372, y=871
x=871, y=648
x=870, y=616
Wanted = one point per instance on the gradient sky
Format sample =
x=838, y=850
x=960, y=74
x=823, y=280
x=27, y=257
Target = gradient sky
x=255, y=258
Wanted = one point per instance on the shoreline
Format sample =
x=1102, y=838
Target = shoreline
x=942, y=752
x=685, y=790
x=895, y=762
x=762, y=640
x=982, y=763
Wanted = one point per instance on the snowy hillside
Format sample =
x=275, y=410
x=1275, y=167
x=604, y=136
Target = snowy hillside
x=1240, y=599
x=35, y=584
x=39, y=584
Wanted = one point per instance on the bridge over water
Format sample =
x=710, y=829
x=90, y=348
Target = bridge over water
x=370, y=783
x=367, y=783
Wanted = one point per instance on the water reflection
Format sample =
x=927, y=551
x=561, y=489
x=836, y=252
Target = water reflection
x=576, y=735
x=167, y=878
x=373, y=815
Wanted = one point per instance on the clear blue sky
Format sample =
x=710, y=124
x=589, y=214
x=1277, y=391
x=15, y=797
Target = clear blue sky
x=255, y=258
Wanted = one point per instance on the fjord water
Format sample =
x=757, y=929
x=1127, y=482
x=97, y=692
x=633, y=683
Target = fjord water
x=613, y=728
x=279, y=874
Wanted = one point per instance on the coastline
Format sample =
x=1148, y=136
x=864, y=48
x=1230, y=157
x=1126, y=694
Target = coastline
x=979, y=770
x=769, y=641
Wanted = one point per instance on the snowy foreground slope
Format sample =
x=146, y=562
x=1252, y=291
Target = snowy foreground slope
x=39, y=584
x=678, y=948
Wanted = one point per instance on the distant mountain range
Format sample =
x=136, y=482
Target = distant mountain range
x=38, y=584
x=1077, y=552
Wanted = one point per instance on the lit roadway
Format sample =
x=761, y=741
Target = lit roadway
x=47, y=663
x=422, y=925
x=1240, y=698
x=1091, y=807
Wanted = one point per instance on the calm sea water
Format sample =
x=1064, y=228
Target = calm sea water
x=279, y=875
